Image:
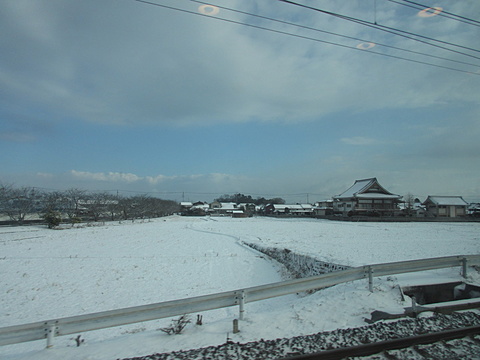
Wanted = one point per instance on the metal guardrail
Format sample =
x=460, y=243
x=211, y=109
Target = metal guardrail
x=75, y=324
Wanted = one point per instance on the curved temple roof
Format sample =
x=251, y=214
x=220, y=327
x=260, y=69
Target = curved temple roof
x=367, y=188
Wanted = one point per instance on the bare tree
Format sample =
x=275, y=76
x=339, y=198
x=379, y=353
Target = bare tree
x=19, y=202
x=409, y=200
x=96, y=205
x=75, y=205
x=143, y=206
x=72, y=204
x=168, y=207
x=127, y=208
x=112, y=207
x=5, y=193
x=50, y=208
x=52, y=201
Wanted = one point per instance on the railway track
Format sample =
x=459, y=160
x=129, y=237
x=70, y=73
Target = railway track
x=462, y=343
x=437, y=337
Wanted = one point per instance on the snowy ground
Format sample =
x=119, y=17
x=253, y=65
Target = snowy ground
x=49, y=274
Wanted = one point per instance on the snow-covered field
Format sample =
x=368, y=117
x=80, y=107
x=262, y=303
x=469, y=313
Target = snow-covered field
x=55, y=273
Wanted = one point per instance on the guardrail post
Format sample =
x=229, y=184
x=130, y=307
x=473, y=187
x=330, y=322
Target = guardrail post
x=370, y=278
x=240, y=300
x=235, y=326
x=464, y=267
x=242, y=305
x=50, y=330
x=414, y=307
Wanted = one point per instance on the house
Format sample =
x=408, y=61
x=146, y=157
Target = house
x=445, y=206
x=419, y=209
x=414, y=208
x=474, y=210
x=322, y=208
x=185, y=207
x=299, y=209
x=248, y=208
x=239, y=214
x=289, y=209
x=366, y=197
x=223, y=208
x=215, y=205
x=198, y=208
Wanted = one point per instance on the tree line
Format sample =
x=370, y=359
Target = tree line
x=74, y=205
x=247, y=199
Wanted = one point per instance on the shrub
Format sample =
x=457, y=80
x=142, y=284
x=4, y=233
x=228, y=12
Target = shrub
x=53, y=219
x=177, y=325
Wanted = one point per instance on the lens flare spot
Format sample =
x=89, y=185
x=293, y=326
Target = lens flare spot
x=208, y=10
x=365, y=45
x=431, y=11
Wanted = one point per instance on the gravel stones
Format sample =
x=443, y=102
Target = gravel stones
x=285, y=347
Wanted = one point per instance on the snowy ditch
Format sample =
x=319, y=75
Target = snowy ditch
x=299, y=266
x=302, y=266
x=439, y=293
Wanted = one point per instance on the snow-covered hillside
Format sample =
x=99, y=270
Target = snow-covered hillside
x=49, y=274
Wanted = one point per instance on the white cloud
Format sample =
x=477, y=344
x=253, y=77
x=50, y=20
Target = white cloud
x=110, y=176
x=158, y=179
x=359, y=140
x=17, y=137
x=45, y=175
x=210, y=71
x=220, y=178
x=135, y=64
x=202, y=182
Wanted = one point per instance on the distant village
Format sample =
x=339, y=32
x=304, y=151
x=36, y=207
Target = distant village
x=365, y=198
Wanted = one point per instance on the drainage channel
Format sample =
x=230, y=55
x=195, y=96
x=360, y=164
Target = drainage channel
x=440, y=293
x=299, y=266
x=439, y=298
x=444, y=298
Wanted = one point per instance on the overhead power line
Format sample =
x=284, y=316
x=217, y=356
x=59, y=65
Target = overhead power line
x=398, y=32
x=443, y=13
x=339, y=35
x=305, y=37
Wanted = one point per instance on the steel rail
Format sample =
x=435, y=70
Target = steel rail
x=81, y=323
x=393, y=344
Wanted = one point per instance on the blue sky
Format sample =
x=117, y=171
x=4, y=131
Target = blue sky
x=129, y=96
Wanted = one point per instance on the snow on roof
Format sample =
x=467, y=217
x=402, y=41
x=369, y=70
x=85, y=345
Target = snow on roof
x=362, y=187
x=292, y=207
x=377, y=196
x=358, y=186
x=228, y=205
x=201, y=206
x=446, y=200
x=306, y=206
